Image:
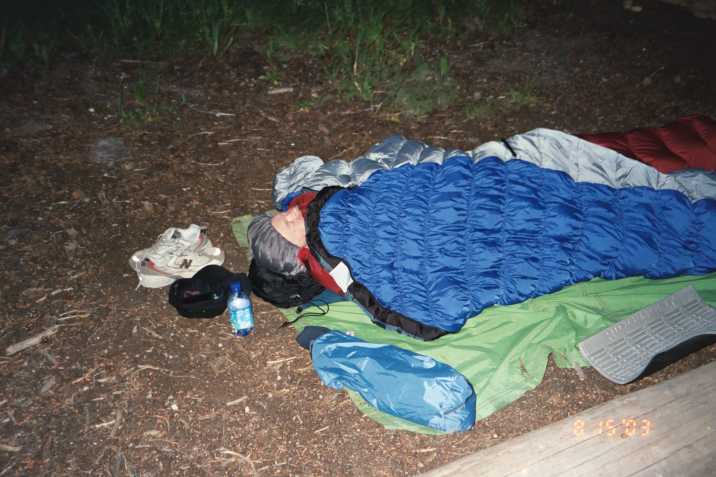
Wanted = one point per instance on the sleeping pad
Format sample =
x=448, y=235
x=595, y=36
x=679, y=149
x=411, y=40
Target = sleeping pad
x=430, y=245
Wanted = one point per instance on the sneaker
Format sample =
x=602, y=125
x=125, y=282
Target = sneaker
x=177, y=253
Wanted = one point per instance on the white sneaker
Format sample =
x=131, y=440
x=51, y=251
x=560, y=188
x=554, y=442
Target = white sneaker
x=177, y=253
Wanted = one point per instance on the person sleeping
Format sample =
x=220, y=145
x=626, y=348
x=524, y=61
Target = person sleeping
x=425, y=246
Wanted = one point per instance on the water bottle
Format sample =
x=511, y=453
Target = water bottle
x=241, y=314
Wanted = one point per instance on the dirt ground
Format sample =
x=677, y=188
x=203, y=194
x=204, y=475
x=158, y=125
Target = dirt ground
x=126, y=387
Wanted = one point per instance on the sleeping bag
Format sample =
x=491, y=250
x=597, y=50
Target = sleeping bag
x=582, y=160
x=424, y=247
x=687, y=143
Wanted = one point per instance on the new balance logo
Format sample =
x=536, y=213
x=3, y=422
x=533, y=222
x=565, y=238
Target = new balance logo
x=186, y=263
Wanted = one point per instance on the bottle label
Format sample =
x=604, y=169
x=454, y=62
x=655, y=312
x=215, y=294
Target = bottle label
x=241, y=319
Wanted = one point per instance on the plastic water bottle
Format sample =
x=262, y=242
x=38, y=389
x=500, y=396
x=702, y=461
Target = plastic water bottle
x=241, y=313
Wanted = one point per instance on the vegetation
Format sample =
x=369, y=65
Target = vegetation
x=524, y=95
x=140, y=101
x=372, y=50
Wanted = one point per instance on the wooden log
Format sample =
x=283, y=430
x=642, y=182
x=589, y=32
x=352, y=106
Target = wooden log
x=666, y=429
x=32, y=341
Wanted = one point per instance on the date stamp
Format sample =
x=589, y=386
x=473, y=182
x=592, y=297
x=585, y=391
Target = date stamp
x=615, y=427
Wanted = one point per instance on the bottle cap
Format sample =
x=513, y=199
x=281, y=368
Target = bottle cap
x=235, y=287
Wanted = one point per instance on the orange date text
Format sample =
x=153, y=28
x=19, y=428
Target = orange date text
x=613, y=427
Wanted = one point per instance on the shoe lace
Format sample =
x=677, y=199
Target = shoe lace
x=168, y=245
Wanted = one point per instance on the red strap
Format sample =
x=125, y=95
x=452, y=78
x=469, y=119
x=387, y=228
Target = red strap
x=302, y=201
x=304, y=254
x=317, y=271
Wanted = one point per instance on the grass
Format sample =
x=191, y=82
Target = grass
x=481, y=110
x=140, y=100
x=312, y=102
x=502, y=16
x=273, y=75
x=20, y=42
x=523, y=96
x=372, y=50
x=429, y=87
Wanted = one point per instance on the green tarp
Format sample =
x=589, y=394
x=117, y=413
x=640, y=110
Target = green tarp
x=503, y=351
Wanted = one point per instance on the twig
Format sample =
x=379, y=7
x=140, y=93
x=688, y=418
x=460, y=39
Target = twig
x=8, y=448
x=229, y=141
x=69, y=315
x=218, y=114
x=30, y=291
x=318, y=431
x=237, y=401
x=270, y=118
x=104, y=424
x=7, y=469
x=351, y=111
x=140, y=62
x=288, y=89
x=649, y=76
x=118, y=421
x=74, y=312
x=86, y=375
x=578, y=369
x=210, y=163
x=200, y=133
x=35, y=340
x=149, y=366
x=60, y=290
x=242, y=457
x=282, y=360
x=153, y=333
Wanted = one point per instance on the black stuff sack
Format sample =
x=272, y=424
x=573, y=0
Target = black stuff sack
x=281, y=290
x=205, y=294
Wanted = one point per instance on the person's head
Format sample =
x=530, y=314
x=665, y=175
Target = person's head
x=276, y=239
x=276, y=273
x=291, y=226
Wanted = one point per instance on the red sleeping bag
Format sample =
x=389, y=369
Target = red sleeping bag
x=687, y=143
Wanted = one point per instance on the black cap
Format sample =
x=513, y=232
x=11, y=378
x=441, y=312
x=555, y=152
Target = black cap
x=204, y=295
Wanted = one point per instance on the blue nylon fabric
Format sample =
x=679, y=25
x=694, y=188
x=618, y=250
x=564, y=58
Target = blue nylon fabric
x=283, y=205
x=394, y=380
x=440, y=243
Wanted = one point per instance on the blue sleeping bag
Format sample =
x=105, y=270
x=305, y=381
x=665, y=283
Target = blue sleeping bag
x=430, y=245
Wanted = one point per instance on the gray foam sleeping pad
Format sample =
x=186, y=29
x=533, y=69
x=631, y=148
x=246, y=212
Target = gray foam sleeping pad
x=622, y=352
